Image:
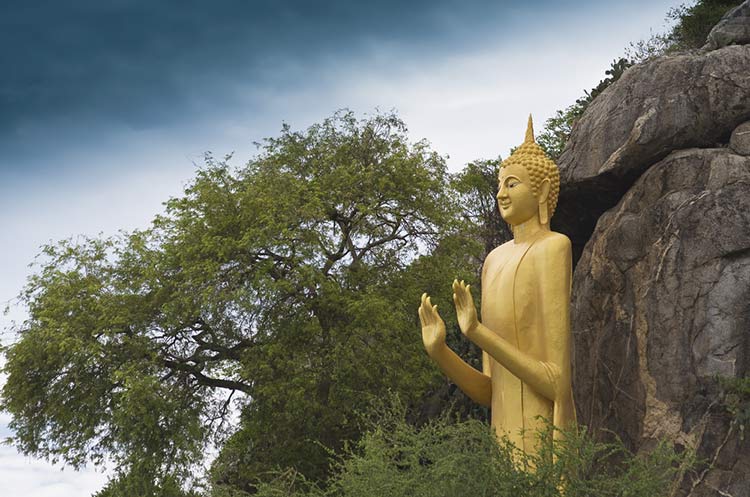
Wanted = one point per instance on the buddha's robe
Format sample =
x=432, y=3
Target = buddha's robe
x=524, y=306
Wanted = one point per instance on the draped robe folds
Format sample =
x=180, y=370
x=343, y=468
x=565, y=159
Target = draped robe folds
x=536, y=322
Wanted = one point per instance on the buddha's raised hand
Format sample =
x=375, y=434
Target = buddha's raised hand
x=433, y=327
x=466, y=312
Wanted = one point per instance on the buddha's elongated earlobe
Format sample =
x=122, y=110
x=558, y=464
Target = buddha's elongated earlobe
x=543, y=197
x=543, y=213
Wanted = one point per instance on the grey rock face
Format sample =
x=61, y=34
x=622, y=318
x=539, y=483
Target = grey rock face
x=670, y=103
x=661, y=306
x=733, y=29
x=740, y=140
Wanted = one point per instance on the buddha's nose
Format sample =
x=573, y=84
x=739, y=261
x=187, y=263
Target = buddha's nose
x=502, y=193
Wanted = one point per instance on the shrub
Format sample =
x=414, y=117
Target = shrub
x=448, y=457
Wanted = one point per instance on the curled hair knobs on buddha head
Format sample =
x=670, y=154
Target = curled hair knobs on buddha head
x=539, y=166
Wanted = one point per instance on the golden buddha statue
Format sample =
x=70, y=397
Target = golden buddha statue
x=525, y=329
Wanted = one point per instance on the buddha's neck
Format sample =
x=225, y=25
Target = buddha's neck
x=528, y=230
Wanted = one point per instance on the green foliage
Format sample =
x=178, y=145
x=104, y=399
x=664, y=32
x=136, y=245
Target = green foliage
x=451, y=458
x=557, y=129
x=286, y=289
x=83, y=370
x=477, y=187
x=736, y=399
x=690, y=27
x=694, y=22
x=141, y=482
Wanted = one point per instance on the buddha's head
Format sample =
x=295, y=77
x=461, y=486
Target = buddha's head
x=529, y=183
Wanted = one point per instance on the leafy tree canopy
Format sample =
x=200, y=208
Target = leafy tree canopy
x=284, y=290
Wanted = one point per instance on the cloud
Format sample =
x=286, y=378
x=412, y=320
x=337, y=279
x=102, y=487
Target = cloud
x=139, y=61
x=89, y=76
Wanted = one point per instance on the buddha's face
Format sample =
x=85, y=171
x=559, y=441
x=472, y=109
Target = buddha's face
x=515, y=196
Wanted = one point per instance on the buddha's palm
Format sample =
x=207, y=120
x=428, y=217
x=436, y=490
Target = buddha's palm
x=466, y=312
x=433, y=327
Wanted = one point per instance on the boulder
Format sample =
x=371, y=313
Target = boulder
x=670, y=103
x=661, y=305
x=732, y=29
x=740, y=140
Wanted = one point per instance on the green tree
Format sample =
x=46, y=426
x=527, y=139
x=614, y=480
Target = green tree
x=286, y=289
x=477, y=188
x=693, y=22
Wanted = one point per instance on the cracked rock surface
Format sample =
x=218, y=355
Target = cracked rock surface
x=661, y=307
x=670, y=103
x=655, y=196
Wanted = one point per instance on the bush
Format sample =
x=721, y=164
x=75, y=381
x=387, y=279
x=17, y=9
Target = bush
x=452, y=458
x=736, y=400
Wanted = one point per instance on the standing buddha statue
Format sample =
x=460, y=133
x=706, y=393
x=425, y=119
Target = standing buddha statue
x=525, y=307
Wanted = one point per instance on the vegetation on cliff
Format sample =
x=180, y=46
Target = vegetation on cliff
x=690, y=25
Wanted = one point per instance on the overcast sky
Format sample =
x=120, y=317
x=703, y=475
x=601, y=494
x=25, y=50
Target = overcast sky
x=107, y=105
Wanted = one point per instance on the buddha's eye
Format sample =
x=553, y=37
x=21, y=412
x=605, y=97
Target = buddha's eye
x=512, y=184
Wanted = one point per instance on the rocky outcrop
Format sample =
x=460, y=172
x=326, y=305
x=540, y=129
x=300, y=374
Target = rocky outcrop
x=662, y=308
x=655, y=195
x=733, y=29
x=668, y=104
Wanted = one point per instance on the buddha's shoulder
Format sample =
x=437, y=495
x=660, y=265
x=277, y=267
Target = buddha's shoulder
x=550, y=242
x=553, y=243
x=554, y=239
x=499, y=251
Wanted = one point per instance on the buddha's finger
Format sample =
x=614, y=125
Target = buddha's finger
x=429, y=311
x=461, y=295
x=426, y=314
x=421, y=316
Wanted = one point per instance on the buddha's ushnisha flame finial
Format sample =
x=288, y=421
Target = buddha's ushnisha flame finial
x=530, y=131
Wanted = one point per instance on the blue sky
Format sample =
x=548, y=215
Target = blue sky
x=107, y=106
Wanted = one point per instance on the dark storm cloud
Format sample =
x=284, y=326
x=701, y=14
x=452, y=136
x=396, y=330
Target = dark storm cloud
x=144, y=62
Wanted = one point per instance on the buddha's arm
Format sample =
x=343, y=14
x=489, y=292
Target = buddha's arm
x=556, y=267
x=476, y=385
x=473, y=383
x=539, y=375
x=549, y=377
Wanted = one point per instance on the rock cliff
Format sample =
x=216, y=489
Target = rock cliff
x=656, y=197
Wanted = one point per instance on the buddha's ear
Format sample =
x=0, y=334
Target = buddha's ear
x=544, y=187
